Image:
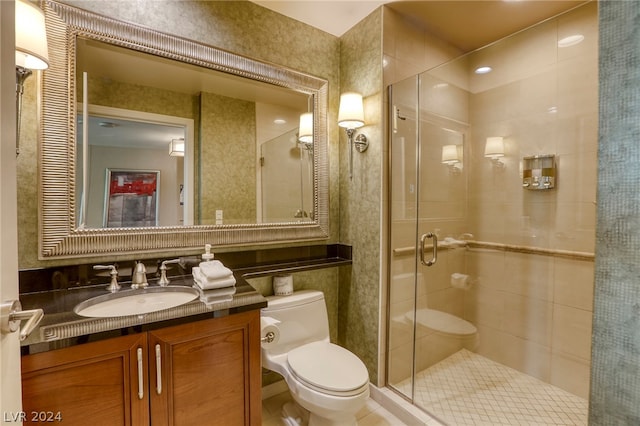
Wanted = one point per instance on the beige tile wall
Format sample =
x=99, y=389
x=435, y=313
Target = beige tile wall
x=533, y=312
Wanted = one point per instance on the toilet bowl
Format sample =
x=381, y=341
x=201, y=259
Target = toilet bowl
x=327, y=381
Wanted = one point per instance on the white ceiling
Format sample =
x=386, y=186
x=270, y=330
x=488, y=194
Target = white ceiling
x=332, y=16
x=467, y=24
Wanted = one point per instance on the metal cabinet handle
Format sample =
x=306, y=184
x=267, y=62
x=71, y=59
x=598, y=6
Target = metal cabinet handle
x=434, y=258
x=12, y=314
x=140, y=375
x=158, y=370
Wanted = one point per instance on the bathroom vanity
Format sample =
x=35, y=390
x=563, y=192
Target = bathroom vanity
x=190, y=364
x=202, y=372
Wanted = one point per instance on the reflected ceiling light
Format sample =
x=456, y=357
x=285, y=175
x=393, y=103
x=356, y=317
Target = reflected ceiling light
x=351, y=117
x=441, y=86
x=305, y=129
x=494, y=150
x=483, y=70
x=571, y=40
x=107, y=124
x=176, y=147
x=31, y=51
x=279, y=121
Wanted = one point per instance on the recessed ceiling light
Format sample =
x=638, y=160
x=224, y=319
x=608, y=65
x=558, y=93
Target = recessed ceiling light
x=572, y=40
x=279, y=121
x=483, y=70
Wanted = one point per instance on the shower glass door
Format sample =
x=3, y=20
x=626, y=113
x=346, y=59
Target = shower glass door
x=429, y=207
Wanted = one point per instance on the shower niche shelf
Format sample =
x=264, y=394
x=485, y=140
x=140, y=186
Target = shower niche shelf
x=539, y=172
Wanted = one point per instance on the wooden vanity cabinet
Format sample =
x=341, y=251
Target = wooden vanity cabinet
x=200, y=373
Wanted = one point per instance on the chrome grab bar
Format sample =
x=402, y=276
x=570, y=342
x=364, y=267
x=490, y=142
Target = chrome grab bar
x=423, y=239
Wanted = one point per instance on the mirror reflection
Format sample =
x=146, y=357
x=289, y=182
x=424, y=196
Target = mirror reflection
x=241, y=161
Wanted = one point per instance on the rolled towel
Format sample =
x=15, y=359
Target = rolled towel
x=214, y=269
x=206, y=284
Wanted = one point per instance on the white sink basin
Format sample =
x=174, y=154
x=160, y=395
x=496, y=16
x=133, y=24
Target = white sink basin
x=135, y=302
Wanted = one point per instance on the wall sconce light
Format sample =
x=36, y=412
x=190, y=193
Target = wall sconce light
x=31, y=51
x=494, y=150
x=305, y=129
x=351, y=117
x=176, y=147
x=450, y=158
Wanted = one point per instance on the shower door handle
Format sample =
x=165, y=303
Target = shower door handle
x=434, y=258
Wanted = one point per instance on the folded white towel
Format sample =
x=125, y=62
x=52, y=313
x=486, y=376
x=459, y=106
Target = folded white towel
x=206, y=284
x=214, y=269
x=216, y=300
x=218, y=294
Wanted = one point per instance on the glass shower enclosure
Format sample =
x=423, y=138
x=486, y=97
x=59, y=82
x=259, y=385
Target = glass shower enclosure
x=491, y=281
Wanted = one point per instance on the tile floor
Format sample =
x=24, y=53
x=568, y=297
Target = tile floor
x=469, y=389
x=371, y=414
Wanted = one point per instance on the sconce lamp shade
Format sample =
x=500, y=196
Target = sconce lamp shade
x=305, y=130
x=450, y=154
x=31, y=37
x=351, y=113
x=176, y=148
x=494, y=147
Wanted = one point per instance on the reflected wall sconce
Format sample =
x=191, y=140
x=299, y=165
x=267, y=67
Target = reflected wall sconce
x=176, y=147
x=31, y=51
x=494, y=150
x=305, y=129
x=351, y=117
x=451, y=158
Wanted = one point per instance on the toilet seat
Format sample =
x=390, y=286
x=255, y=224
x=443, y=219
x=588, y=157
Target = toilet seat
x=329, y=369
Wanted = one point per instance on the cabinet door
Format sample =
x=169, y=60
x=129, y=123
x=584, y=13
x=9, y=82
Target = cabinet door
x=209, y=372
x=91, y=384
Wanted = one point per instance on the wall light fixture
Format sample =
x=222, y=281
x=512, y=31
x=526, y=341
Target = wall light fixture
x=176, y=147
x=451, y=158
x=351, y=117
x=494, y=150
x=305, y=129
x=31, y=51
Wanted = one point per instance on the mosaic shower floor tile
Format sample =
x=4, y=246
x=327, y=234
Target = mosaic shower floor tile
x=469, y=389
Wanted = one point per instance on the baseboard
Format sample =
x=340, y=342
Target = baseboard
x=274, y=389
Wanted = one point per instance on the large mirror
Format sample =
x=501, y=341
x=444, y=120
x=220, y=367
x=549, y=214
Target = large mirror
x=154, y=142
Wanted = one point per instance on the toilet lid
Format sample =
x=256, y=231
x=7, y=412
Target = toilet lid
x=328, y=367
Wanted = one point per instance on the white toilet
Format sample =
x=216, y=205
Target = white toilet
x=330, y=383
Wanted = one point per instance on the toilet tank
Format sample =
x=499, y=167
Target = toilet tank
x=302, y=319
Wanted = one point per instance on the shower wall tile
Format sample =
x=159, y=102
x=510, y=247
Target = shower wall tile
x=529, y=276
x=527, y=318
x=572, y=331
x=532, y=50
x=527, y=356
x=580, y=21
x=573, y=283
x=571, y=374
x=409, y=49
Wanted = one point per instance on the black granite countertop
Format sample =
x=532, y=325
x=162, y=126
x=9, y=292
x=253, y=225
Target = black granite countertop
x=61, y=327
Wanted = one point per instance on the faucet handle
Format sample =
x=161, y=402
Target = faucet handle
x=113, y=286
x=164, y=281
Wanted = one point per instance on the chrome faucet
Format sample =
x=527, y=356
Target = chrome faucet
x=164, y=281
x=113, y=286
x=139, y=276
